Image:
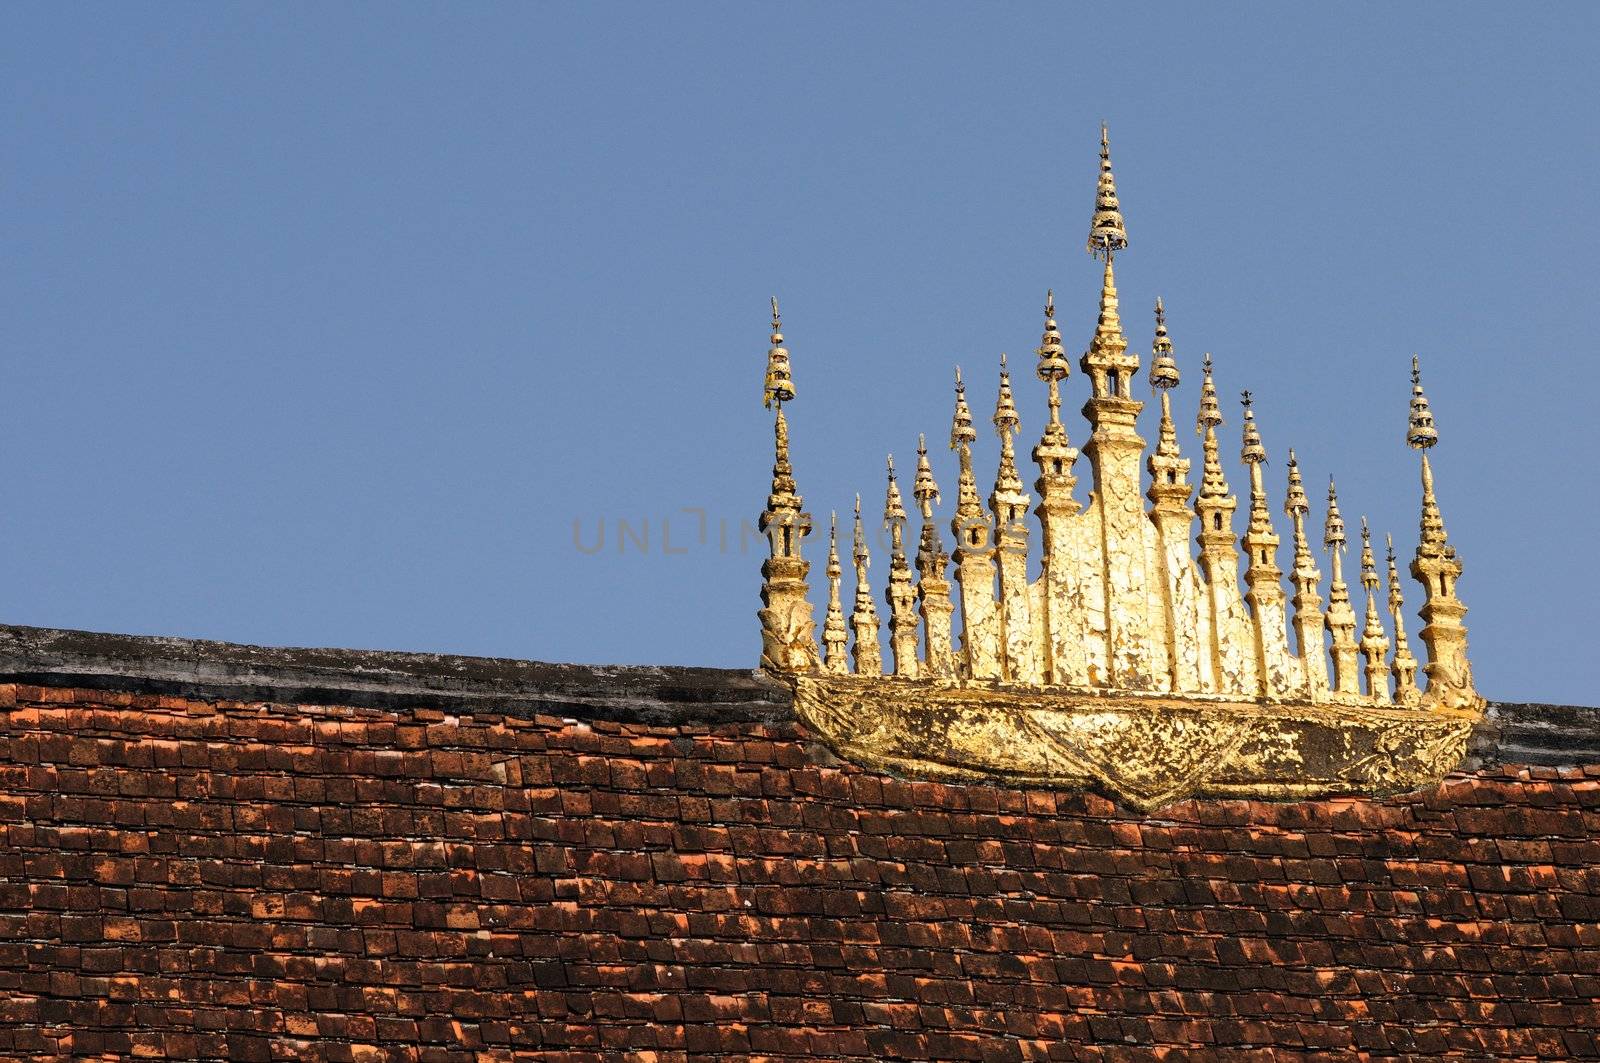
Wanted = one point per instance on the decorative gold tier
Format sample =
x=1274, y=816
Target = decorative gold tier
x=1142, y=750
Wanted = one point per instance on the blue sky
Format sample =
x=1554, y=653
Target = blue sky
x=325, y=325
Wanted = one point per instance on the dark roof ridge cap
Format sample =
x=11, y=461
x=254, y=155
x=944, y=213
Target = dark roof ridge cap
x=212, y=670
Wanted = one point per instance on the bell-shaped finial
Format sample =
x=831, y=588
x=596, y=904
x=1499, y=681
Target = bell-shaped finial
x=1295, y=502
x=1006, y=421
x=779, y=385
x=1420, y=432
x=961, y=429
x=1163, y=367
x=1107, y=234
x=1210, y=414
x=1333, y=536
x=1053, y=364
x=1369, y=567
x=924, y=489
x=894, y=510
x=1253, y=450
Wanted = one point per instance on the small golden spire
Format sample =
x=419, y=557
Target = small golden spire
x=962, y=436
x=1341, y=615
x=1373, y=644
x=835, y=636
x=1420, y=435
x=1107, y=234
x=779, y=386
x=961, y=430
x=1163, y=378
x=1333, y=536
x=1163, y=367
x=931, y=558
x=1053, y=365
x=1404, y=666
x=1420, y=432
x=1213, y=482
x=924, y=489
x=1253, y=451
x=864, y=617
x=1295, y=502
x=1210, y=414
x=1007, y=484
x=894, y=510
x=1006, y=421
x=901, y=595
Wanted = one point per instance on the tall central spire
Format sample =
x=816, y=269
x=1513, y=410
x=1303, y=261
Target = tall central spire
x=1113, y=450
x=1438, y=568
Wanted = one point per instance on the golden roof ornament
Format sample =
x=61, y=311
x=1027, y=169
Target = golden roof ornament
x=1129, y=662
x=901, y=594
x=835, y=636
x=779, y=387
x=1107, y=234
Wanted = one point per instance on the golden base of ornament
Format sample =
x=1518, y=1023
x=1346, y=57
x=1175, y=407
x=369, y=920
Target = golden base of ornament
x=1142, y=750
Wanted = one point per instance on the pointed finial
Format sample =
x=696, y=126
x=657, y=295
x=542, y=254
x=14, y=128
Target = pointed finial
x=1420, y=432
x=1053, y=364
x=1253, y=451
x=1006, y=420
x=924, y=490
x=1395, y=598
x=833, y=545
x=961, y=430
x=894, y=510
x=1369, y=568
x=1107, y=234
x=779, y=386
x=1163, y=367
x=1295, y=502
x=861, y=536
x=1210, y=415
x=1333, y=531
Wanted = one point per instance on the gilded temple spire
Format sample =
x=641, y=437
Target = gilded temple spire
x=1132, y=644
x=1163, y=378
x=1061, y=650
x=1233, y=662
x=974, y=556
x=1107, y=234
x=933, y=590
x=1404, y=667
x=1341, y=615
x=1006, y=425
x=1374, y=647
x=1009, y=503
x=835, y=636
x=901, y=594
x=1308, y=618
x=788, y=629
x=1213, y=482
x=1262, y=575
x=1053, y=366
x=1438, y=568
x=864, y=617
x=1189, y=654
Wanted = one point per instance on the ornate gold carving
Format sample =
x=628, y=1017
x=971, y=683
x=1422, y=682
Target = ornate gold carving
x=1129, y=663
x=1144, y=750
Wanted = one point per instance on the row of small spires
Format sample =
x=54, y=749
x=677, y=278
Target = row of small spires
x=1164, y=375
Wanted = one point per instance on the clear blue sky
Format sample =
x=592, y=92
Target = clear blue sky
x=323, y=324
